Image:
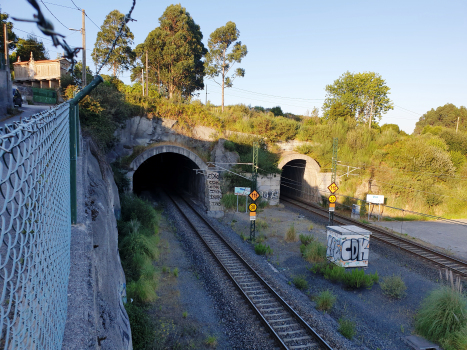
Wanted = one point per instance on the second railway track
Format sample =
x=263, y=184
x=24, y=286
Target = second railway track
x=438, y=258
x=287, y=327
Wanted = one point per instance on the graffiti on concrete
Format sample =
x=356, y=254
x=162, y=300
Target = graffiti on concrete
x=348, y=252
x=270, y=194
x=214, y=190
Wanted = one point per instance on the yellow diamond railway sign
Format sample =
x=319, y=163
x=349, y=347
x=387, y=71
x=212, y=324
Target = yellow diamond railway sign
x=254, y=195
x=333, y=187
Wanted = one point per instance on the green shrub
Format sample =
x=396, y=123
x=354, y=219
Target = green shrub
x=334, y=273
x=142, y=328
x=229, y=201
x=306, y=239
x=346, y=328
x=325, y=300
x=443, y=318
x=393, y=286
x=135, y=208
x=175, y=272
x=291, y=234
x=314, y=252
x=358, y=279
x=300, y=282
x=263, y=249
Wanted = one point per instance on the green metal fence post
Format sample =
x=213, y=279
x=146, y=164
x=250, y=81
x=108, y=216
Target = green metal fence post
x=74, y=142
x=73, y=156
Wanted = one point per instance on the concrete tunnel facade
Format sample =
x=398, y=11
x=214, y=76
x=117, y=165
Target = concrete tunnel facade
x=301, y=177
x=179, y=168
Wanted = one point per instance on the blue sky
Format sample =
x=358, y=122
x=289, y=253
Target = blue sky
x=296, y=48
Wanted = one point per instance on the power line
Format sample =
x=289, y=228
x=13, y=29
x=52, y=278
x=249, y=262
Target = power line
x=51, y=3
x=92, y=21
x=408, y=110
x=54, y=15
x=387, y=206
x=75, y=5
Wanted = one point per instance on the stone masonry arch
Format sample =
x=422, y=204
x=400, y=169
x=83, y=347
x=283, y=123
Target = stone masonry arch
x=210, y=187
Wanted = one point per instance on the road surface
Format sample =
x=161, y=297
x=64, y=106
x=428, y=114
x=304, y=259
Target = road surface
x=452, y=237
x=28, y=110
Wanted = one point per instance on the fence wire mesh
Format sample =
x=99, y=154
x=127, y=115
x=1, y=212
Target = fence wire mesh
x=35, y=230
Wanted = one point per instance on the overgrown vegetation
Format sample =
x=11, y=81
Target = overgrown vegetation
x=138, y=246
x=346, y=328
x=442, y=317
x=354, y=279
x=291, y=234
x=393, y=286
x=262, y=249
x=300, y=282
x=312, y=250
x=325, y=300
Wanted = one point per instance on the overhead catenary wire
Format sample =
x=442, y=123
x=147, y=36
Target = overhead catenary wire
x=387, y=206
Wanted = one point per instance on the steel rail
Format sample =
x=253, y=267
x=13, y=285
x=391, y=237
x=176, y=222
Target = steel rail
x=456, y=265
x=311, y=332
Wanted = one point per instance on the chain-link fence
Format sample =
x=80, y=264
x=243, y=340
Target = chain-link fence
x=35, y=228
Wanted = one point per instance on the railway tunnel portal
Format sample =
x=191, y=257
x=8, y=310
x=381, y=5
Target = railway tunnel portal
x=178, y=168
x=301, y=177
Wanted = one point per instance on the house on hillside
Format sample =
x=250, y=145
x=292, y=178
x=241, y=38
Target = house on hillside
x=45, y=74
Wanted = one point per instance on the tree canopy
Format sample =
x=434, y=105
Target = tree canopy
x=122, y=56
x=445, y=116
x=355, y=96
x=175, y=53
x=11, y=36
x=24, y=47
x=219, y=61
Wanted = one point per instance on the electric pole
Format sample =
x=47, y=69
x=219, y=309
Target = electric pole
x=83, y=33
x=457, y=126
x=142, y=79
x=147, y=75
x=7, y=67
x=5, y=43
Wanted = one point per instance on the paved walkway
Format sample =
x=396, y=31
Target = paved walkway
x=452, y=237
x=28, y=110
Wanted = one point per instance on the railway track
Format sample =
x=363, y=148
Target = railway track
x=288, y=329
x=457, y=266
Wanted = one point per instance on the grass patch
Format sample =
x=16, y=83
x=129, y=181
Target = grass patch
x=314, y=252
x=261, y=225
x=211, y=341
x=310, y=227
x=138, y=246
x=300, y=282
x=291, y=234
x=346, y=328
x=175, y=272
x=262, y=249
x=354, y=279
x=442, y=318
x=306, y=239
x=185, y=314
x=325, y=300
x=393, y=286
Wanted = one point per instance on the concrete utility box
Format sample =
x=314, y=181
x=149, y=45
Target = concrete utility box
x=348, y=246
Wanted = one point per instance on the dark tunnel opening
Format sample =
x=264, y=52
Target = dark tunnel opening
x=292, y=177
x=171, y=172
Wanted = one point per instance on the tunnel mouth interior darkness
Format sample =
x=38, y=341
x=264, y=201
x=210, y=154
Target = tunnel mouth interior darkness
x=169, y=171
x=292, y=177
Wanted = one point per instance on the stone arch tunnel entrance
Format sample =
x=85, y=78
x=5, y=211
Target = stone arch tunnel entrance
x=301, y=177
x=173, y=168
